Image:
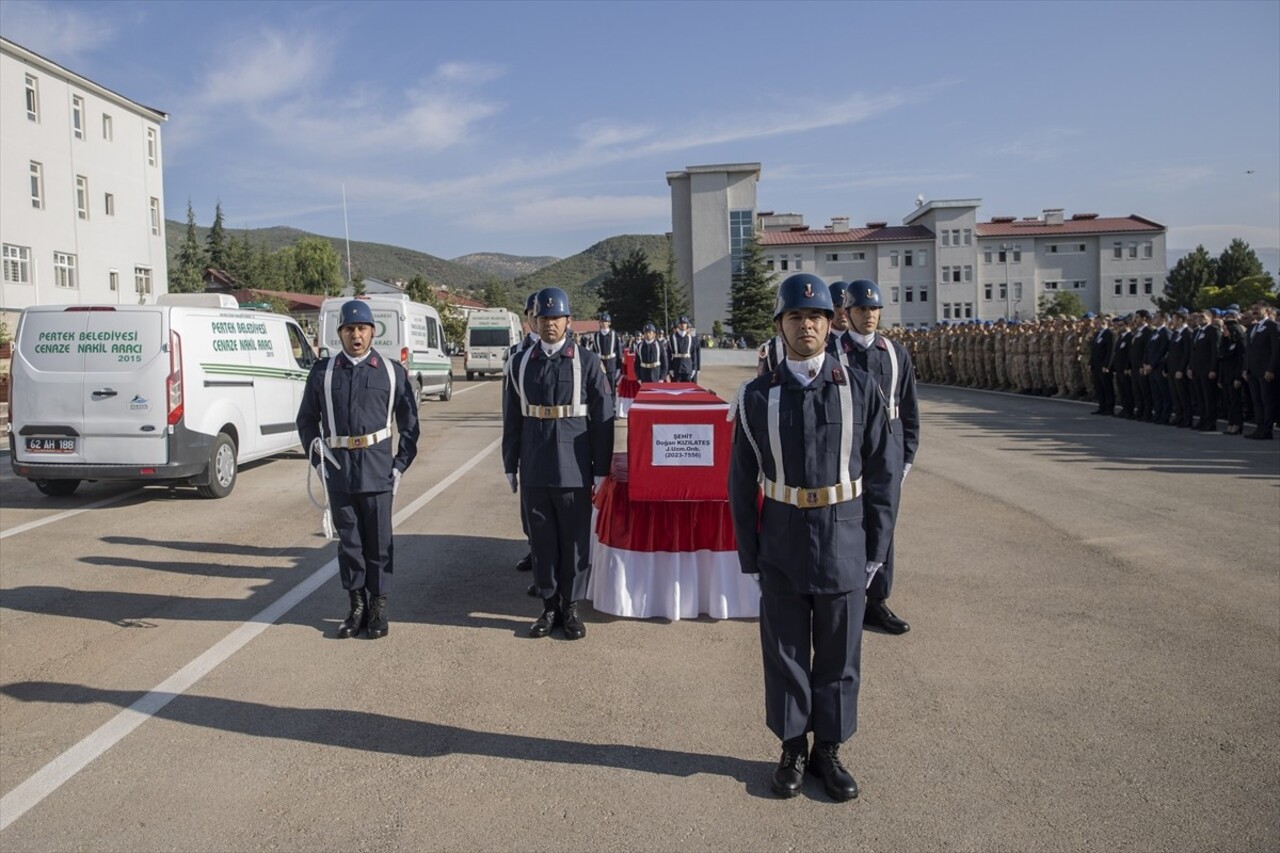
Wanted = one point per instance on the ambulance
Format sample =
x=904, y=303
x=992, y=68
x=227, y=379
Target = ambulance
x=490, y=334
x=184, y=391
x=408, y=331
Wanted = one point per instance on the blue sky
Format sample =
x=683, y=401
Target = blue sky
x=539, y=128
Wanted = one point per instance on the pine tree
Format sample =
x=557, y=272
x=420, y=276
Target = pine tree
x=632, y=292
x=1188, y=277
x=1237, y=262
x=751, y=297
x=216, y=241
x=187, y=275
x=677, y=303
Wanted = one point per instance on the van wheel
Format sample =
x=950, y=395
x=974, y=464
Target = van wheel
x=471, y=374
x=222, y=468
x=447, y=394
x=57, y=488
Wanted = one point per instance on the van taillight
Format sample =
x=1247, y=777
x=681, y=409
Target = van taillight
x=90, y=308
x=173, y=384
x=404, y=356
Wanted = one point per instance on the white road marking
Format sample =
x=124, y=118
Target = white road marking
x=41, y=522
x=50, y=777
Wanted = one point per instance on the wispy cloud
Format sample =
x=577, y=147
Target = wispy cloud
x=66, y=34
x=1174, y=177
x=1216, y=237
x=573, y=212
x=1038, y=146
x=266, y=67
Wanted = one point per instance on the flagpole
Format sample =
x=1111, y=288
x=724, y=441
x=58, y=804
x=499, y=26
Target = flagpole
x=347, y=231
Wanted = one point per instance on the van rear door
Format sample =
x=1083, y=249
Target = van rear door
x=89, y=387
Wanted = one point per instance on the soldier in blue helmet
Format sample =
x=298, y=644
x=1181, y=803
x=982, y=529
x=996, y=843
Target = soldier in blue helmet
x=348, y=407
x=651, y=356
x=525, y=563
x=608, y=346
x=814, y=437
x=557, y=445
x=888, y=362
x=840, y=320
x=684, y=353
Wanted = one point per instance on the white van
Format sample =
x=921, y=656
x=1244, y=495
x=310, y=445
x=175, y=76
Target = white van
x=490, y=333
x=186, y=390
x=407, y=330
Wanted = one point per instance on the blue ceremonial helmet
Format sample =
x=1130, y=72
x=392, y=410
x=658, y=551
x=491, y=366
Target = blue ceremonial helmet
x=801, y=291
x=530, y=302
x=649, y=327
x=838, y=290
x=355, y=313
x=863, y=293
x=605, y=318
x=551, y=302
x=683, y=320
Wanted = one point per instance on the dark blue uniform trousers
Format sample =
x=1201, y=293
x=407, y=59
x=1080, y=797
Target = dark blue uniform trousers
x=812, y=647
x=882, y=583
x=560, y=536
x=363, y=522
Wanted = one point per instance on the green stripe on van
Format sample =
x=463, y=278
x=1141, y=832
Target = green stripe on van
x=262, y=372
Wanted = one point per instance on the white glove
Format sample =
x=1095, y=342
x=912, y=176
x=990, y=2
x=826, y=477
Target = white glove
x=598, y=481
x=395, y=481
x=872, y=568
x=756, y=577
x=906, y=469
x=511, y=481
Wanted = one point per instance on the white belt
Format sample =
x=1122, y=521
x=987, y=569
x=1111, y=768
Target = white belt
x=552, y=412
x=609, y=355
x=681, y=355
x=357, y=442
x=651, y=364
x=812, y=498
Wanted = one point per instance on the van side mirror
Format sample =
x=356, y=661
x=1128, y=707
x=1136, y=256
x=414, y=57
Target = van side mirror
x=324, y=352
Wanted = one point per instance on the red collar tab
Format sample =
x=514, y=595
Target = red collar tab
x=373, y=361
x=567, y=352
x=881, y=343
x=837, y=376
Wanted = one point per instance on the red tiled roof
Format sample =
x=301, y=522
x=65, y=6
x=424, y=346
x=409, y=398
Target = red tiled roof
x=1038, y=228
x=853, y=235
x=460, y=301
x=295, y=300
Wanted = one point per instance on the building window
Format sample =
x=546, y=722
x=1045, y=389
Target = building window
x=968, y=273
x=893, y=295
x=968, y=236
x=799, y=261
x=1146, y=250
x=909, y=294
x=1117, y=250
x=924, y=294
x=968, y=310
x=64, y=270
x=1050, y=285
x=946, y=273
x=82, y=196
x=986, y=291
x=142, y=280
x=1017, y=255
x=33, y=98
x=37, y=185
x=153, y=145
x=858, y=256
x=113, y=281
x=906, y=257
x=1004, y=291
x=893, y=259
x=922, y=257
x=833, y=257
x=1133, y=250
x=740, y=232
x=1119, y=287
x=1146, y=286
x=946, y=310
x=946, y=237
x=17, y=264
x=109, y=204
x=986, y=255
x=955, y=275
x=1133, y=287
x=1017, y=291
x=155, y=216
x=1078, y=285
x=108, y=132
x=77, y=116
x=1081, y=248
x=783, y=264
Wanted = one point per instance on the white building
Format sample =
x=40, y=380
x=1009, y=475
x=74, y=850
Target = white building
x=81, y=189
x=713, y=212
x=940, y=264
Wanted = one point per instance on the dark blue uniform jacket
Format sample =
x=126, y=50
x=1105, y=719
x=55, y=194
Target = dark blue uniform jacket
x=875, y=360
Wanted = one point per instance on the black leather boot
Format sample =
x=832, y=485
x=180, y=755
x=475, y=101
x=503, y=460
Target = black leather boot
x=879, y=615
x=525, y=564
x=550, y=618
x=573, y=627
x=357, y=617
x=378, y=626
x=788, y=779
x=824, y=762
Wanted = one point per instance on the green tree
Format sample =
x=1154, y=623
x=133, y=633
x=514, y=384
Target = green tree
x=317, y=267
x=676, y=303
x=187, y=275
x=632, y=292
x=455, y=323
x=239, y=260
x=751, y=297
x=1060, y=304
x=1245, y=292
x=216, y=241
x=1237, y=262
x=502, y=294
x=1183, y=283
x=717, y=330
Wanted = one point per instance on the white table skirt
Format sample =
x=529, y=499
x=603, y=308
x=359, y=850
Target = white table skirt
x=670, y=585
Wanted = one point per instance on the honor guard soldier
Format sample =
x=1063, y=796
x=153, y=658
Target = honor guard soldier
x=609, y=347
x=651, y=357
x=814, y=437
x=684, y=353
x=1262, y=369
x=1202, y=369
x=890, y=366
x=557, y=443
x=840, y=320
x=525, y=564
x=1102, y=348
x=344, y=421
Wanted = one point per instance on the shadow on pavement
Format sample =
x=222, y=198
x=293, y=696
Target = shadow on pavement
x=373, y=732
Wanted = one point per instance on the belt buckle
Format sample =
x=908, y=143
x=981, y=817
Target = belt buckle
x=545, y=412
x=357, y=442
x=812, y=498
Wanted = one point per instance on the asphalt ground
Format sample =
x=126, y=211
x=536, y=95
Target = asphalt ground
x=1094, y=664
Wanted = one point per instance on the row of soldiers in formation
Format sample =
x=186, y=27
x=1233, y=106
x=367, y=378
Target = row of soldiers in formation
x=1174, y=368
